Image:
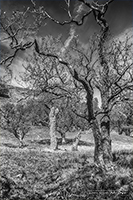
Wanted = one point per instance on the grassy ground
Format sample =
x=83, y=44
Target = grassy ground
x=39, y=138
x=34, y=173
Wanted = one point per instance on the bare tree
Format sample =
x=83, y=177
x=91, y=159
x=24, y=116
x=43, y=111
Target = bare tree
x=103, y=140
x=87, y=73
x=87, y=77
x=15, y=119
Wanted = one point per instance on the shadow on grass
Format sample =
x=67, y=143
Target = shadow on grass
x=67, y=141
x=10, y=145
x=84, y=143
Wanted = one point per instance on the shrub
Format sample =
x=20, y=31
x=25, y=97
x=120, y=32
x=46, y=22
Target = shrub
x=123, y=158
x=40, y=175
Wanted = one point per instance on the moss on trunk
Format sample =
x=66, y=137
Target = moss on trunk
x=53, y=121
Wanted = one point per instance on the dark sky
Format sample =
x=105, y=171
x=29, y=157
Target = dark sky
x=119, y=15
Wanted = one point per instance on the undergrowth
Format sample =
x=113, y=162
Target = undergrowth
x=38, y=175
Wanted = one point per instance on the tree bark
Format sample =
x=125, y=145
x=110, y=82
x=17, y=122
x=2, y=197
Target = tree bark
x=98, y=151
x=102, y=152
x=53, y=121
x=106, y=141
x=105, y=126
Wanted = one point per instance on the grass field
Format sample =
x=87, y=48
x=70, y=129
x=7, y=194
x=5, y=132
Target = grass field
x=39, y=138
x=34, y=172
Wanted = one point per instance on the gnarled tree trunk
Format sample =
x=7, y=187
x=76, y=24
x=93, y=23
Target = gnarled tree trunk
x=105, y=121
x=19, y=136
x=53, y=120
x=76, y=142
x=63, y=135
x=98, y=151
x=63, y=138
x=106, y=142
x=102, y=152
